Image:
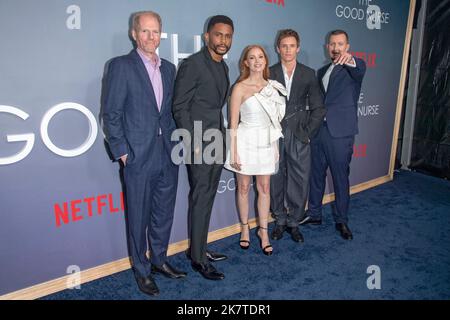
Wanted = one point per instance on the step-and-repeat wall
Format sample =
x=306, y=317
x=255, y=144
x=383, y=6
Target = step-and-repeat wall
x=61, y=203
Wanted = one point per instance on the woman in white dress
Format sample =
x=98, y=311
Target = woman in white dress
x=256, y=108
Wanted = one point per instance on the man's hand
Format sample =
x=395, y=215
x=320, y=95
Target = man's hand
x=124, y=159
x=343, y=58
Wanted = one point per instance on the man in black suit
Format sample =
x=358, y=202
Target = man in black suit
x=304, y=115
x=201, y=90
x=138, y=125
x=341, y=83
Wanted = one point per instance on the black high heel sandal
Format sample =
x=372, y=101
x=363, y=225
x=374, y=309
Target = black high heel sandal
x=241, y=242
x=264, y=250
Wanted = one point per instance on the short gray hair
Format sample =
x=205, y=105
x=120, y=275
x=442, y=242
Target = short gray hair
x=137, y=15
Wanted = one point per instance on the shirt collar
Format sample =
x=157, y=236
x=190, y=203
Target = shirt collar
x=148, y=61
x=285, y=71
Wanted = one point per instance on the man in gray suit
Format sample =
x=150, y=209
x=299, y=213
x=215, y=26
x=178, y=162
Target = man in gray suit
x=304, y=115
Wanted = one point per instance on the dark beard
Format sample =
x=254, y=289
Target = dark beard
x=214, y=48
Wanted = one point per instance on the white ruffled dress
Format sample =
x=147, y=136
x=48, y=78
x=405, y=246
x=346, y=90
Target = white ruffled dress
x=259, y=130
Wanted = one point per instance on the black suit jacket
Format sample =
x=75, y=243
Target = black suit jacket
x=131, y=117
x=197, y=96
x=304, y=109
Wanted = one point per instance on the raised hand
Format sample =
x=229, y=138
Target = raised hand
x=343, y=58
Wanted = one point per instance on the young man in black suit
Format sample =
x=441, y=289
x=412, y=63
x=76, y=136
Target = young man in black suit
x=304, y=116
x=201, y=90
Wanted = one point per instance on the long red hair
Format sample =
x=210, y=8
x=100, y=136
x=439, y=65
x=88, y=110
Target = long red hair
x=245, y=70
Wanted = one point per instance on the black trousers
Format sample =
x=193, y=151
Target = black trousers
x=290, y=185
x=203, y=181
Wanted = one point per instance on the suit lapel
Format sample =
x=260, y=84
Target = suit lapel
x=145, y=79
x=165, y=84
x=321, y=74
x=296, y=78
x=228, y=83
x=333, y=74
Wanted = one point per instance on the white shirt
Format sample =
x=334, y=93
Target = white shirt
x=326, y=77
x=288, y=80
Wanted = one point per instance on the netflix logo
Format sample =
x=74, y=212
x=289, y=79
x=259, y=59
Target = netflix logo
x=81, y=209
x=276, y=2
x=369, y=58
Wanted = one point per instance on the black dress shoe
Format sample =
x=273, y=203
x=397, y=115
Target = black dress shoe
x=208, y=271
x=296, y=235
x=167, y=270
x=212, y=256
x=147, y=285
x=277, y=232
x=309, y=220
x=344, y=230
